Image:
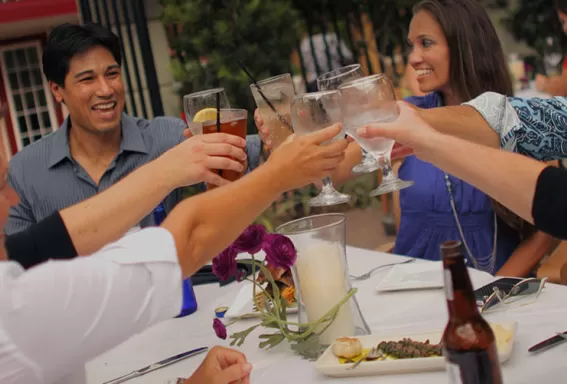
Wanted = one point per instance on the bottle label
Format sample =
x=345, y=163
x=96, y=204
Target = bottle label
x=448, y=284
x=454, y=373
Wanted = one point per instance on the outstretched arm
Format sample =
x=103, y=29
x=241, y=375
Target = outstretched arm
x=204, y=225
x=529, y=188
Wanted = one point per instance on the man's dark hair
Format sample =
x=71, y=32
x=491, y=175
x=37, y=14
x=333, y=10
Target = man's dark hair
x=68, y=40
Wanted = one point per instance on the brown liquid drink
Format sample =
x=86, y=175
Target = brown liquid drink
x=469, y=345
x=232, y=122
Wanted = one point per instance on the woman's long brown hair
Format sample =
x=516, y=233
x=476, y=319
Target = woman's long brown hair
x=477, y=65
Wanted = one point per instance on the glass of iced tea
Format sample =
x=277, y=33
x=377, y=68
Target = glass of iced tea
x=280, y=92
x=207, y=100
x=232, y=122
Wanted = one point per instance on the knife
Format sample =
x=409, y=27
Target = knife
x=158, y=365
x=548, y=343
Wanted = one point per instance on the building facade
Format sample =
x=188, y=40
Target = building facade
x=29, y=110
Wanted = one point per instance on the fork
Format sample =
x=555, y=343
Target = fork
x=369, y=273
x=373, y=354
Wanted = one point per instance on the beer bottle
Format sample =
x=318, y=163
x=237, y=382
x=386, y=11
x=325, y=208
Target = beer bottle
x=469, y=346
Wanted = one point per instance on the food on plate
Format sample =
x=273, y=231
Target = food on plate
x=284, y=281
x=409, y=349
x=347, y=347
x=390, y=350
x=502, y=335
x=406, y=348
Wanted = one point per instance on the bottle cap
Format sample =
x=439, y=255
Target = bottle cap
x=220, y=311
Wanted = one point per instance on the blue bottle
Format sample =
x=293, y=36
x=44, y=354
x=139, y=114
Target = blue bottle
x=189, y=300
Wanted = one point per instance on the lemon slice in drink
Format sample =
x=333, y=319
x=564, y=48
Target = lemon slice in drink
x=206, y=114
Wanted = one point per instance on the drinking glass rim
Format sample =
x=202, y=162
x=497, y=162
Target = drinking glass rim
x=310, y=95
x=272, y=79
x=335, y=72
x=203, y=92
x=341, y=218
x=361, y=80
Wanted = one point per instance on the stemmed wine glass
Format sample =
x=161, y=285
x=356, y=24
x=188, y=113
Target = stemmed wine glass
x=552, y=56
x=366, y=101
x=331, y=81
x=312, y=112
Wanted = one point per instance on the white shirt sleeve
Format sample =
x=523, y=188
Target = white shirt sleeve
x=57, y=316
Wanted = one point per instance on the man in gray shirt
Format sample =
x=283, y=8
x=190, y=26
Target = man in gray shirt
x=98, y=144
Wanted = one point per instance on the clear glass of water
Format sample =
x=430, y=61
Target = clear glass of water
x=312, y=112
x=366, y=101
x=331, y=81
x=552, y=56
x=279, y=91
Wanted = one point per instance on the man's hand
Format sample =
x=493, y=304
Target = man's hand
x=222, y=366
x=408, y=129
x=197, y=159
x=300, y=160
x=262, y=130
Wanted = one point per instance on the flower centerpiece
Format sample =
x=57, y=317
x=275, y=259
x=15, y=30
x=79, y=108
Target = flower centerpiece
x=273, y=292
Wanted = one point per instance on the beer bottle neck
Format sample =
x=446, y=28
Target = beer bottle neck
x=461, y=301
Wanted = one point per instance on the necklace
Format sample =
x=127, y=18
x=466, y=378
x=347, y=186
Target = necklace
x=492, y=260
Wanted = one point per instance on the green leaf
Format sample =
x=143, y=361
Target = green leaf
x=272, y=340
x=238, y=338
x=309, y=349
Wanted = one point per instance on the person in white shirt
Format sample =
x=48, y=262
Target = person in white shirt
x=60, y=314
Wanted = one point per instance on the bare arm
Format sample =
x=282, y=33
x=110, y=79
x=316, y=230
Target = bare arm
x=461, y=121
x=204, y=225
x=107, y=216
x=493, y=171
x=527, y=255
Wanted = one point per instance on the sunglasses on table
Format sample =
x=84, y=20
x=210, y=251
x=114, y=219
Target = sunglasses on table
x=514, y=296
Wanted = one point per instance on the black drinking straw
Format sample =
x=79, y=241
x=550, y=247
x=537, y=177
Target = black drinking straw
x=218, y=121
x=280, y=117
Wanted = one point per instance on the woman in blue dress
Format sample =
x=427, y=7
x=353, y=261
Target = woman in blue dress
x=456, y=55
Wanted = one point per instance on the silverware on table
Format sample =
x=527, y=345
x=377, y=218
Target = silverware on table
x=559, y=338
x=158, y=365
x=369, y=273
x=373, y=354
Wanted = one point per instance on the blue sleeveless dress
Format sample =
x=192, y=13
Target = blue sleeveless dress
x=427, y=219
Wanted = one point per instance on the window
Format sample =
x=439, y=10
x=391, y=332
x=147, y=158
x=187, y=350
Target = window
x=31, y=106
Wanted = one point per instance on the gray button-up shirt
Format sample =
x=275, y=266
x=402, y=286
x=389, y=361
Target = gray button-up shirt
x=48, y=179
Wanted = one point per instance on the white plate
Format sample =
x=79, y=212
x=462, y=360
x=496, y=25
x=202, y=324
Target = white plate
x=243, y=305
x=413, y=276
x=328, y=364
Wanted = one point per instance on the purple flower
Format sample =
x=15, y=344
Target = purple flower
x=280, y=251
x=251, y=239
x=224, y=265
x=219, y=328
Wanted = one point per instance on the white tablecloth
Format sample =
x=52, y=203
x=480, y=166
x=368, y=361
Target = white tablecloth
x=413, y=312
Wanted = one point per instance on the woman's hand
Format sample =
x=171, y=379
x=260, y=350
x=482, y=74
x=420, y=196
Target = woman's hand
x=222, y=366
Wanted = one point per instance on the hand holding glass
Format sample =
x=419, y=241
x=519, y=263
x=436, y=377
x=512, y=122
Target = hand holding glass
x=331, y=81
x=366, y=101
x=313, y=112
x=280, y=92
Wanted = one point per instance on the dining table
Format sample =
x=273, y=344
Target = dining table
x=398, y=312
